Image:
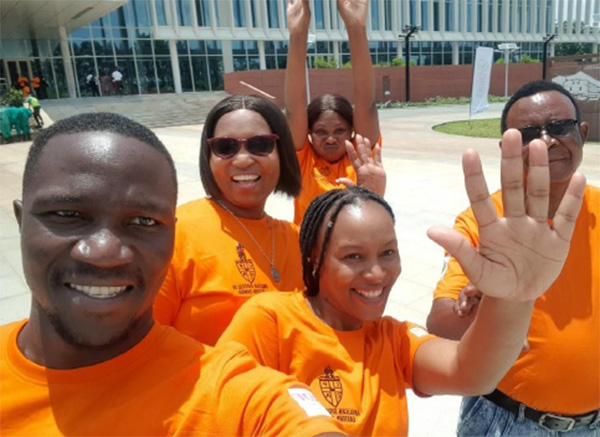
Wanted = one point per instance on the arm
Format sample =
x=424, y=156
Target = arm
x=298, y=19
x=366, y=121
x=518, y=258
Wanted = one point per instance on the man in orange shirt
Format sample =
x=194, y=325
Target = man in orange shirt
x=97, y=232
x=554, y=386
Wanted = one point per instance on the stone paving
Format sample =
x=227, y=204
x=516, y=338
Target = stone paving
x=425, y=187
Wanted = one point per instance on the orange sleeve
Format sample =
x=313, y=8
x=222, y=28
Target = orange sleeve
x=264, y=401
x=255, y=327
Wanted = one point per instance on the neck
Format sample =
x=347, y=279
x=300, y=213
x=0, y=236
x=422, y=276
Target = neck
x=238, y=211
x=329, y=315
x=40, y=342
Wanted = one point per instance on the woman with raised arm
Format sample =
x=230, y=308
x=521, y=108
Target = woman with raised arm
x=358, y=363
x=321, y=131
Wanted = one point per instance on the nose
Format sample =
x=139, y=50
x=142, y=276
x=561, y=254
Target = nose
x=547, y=138
x=103, y=248
x=375, y=273
x=243, y=158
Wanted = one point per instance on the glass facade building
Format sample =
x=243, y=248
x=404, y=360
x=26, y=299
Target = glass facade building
x=165, y=46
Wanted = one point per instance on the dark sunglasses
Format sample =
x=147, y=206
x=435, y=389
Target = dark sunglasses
x=558, y=128
x=259, y=145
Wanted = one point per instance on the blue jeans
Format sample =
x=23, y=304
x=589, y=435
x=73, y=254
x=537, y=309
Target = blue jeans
x=480, y=417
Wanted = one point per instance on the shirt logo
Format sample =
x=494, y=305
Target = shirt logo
x=331, y=387
x=245, y=266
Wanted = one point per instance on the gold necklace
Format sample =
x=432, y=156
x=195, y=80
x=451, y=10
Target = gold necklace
x=274, y=272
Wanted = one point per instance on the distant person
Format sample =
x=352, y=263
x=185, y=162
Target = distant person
x=117, y=81
x=106, y=84
x=41, y=91
x=325, y=133
x=554, y=387
x=35, y=106
x=97, y=231
x=92, y=83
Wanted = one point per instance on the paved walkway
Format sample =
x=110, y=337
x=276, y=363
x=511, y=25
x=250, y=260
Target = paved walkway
x=425, y=187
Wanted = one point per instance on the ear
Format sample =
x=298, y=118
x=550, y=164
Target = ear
x=583, y=131
x=18, y=210
x=500, y=144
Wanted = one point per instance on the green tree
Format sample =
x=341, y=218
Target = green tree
x=571, y=48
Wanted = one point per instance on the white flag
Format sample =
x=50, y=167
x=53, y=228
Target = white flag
x=482, y=71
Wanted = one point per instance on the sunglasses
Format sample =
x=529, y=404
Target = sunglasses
x=558, y=128
x=259, y=145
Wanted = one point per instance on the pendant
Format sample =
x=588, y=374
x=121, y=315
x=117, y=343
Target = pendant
x=275, y=274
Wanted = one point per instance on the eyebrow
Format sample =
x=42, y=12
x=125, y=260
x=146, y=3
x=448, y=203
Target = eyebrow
x=59, y=199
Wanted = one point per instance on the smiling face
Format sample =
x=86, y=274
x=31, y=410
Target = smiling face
x=564, y=153
x=97, y=228
x=360, y=266
x=329, y=134
x=245, y=180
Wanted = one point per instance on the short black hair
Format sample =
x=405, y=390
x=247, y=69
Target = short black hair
x=95, y=122
x=289, y=177
x=330, y=102
x=532, y=88
x=318, y=210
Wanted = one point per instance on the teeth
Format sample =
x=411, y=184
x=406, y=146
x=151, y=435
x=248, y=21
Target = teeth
x=99, y=292
x=245, y=177
x=369, y=294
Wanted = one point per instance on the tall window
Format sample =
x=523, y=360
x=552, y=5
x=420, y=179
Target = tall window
x=449, y=15
x=239, y=13
x=203, y=13
x=272, y=14
x=374, y=14
x=319, y=15
x=161, y=16
x=183, y=13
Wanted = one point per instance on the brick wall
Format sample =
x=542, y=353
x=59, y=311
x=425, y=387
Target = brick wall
x=426, y=81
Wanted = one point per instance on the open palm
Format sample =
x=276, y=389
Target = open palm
x=354, y=12
x=367, y=164
x=519, y=255
x=298, y=16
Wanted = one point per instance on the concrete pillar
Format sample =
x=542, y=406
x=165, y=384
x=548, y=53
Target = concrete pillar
x=175, y=66
x=595, y=47
x=455, y=53
x=261, y=55
x=67, y=62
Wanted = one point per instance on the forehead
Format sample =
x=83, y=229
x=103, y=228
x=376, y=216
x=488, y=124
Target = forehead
x=241, y=121
x=539, y=109
x=364, y=222
x=101, y=164
x=330, y=117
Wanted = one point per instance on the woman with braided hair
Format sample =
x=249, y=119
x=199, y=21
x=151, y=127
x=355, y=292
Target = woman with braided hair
x=333, y=336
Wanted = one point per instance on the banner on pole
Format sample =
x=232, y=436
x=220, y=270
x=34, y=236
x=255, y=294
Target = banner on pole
x=480, y=87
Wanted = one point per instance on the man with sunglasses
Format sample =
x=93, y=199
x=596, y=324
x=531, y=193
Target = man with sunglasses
x=554, y=386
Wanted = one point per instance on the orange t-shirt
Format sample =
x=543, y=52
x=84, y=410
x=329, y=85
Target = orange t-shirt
x=561, y=371
x=319, y=176
x=166, y=385
x=217, y=266
x=360, y=376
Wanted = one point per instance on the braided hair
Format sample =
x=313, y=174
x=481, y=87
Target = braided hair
x=330, y=202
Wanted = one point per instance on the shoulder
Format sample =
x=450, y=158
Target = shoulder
x=196, y=210
x=285, y=227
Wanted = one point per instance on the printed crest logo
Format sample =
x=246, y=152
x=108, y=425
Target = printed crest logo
x=245, y=266
x=331, y=387
x=325, y=170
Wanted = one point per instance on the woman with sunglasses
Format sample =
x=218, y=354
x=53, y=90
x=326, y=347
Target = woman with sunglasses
x=227, y=248
x=358, y=363
x=320, y=132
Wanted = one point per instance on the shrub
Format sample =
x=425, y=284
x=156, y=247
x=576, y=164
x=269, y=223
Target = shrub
x=398, y=62
x=12, y=97
x=321, y=62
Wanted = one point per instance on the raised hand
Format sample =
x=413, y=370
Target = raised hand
x=519, y=255
x=354, y=12
x=370, y=173
x=298, y=16
x=468, y=302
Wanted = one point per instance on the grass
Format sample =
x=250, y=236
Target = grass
x=482, y=128
x=436, y=101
